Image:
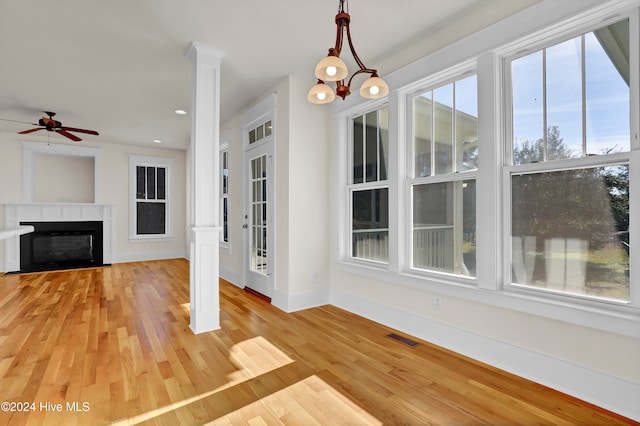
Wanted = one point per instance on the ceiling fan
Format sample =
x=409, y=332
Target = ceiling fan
x=51, y=125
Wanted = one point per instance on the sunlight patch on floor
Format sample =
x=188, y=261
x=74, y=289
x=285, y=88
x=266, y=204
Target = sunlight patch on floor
x=253, y=357
x=309, y=401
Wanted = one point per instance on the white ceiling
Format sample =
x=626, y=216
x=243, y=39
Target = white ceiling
x=119, y=66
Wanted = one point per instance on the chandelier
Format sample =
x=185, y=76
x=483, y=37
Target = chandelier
x=332, y=68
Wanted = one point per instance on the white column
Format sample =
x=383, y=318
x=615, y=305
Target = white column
x=205, y=188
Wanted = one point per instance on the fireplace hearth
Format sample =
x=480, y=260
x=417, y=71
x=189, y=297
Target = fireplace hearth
x=61, y=245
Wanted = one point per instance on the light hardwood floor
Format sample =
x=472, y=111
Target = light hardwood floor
x=112, y=346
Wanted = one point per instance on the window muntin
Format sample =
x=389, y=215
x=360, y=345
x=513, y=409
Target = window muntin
x=262, y=131
x=369, y=194
x=445, y=143
x=570, y=224
x=570, y=231
x=571, y=100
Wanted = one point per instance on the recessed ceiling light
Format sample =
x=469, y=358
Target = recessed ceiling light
x=180, y=112
x=157, y=141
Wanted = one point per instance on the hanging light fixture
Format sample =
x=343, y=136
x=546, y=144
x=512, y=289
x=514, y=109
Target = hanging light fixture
x=332, y=68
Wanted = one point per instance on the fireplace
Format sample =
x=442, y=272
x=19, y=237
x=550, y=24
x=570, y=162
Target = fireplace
x=61, y=245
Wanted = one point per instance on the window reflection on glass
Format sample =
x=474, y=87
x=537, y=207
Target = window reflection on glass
x=571, y=100
x=445, y=129
x=444, y=227
x=370, y=146
x=370, y=224
x=570, y=231
x=258, y=229
x=224, y=194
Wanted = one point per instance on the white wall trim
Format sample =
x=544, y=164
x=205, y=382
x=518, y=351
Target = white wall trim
x=300, y=301
x=155, y=255
x=230, y=276
x=603, y=390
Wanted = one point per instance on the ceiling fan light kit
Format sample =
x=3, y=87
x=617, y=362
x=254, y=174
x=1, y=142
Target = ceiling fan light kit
x=333, y=69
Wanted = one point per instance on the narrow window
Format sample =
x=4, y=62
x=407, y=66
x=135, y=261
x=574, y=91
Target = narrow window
x=369, y=188
x=443, y=186
x=150, y=208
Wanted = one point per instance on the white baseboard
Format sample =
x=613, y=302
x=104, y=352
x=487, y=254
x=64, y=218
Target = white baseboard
x=231, y=276
x=154, y=255
x=299, y=301
x=606, y=391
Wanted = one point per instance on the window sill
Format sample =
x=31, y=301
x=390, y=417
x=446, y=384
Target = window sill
x=623, y=320
x=151, y=239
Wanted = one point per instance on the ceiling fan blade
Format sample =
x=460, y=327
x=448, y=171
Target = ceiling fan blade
x=69, y=135
x=73, y=129
x=18, y=121
x=24, y=132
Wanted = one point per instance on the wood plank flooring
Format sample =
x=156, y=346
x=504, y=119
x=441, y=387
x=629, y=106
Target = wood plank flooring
x=112, y=346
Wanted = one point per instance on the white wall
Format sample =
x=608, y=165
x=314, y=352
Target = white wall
x=114, y=190
x=302, y=198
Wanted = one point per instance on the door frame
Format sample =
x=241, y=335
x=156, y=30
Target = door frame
x=258, y=116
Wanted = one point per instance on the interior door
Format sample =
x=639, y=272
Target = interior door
x=258, y=253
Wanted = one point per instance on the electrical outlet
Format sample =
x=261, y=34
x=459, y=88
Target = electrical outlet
x=437, y=303
x=314, y=278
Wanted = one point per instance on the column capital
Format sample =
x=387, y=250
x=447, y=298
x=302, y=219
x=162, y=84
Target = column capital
x=198, y=52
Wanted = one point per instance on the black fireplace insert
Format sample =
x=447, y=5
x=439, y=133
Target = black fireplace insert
x=61, y=245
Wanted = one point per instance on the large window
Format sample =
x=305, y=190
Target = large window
x=150, y=204
x=505, y=174
x=369, y=188
x=443, y=186
x=569, y=172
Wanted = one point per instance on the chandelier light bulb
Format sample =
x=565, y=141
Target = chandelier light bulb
x=320, y=93
x=374, y=88
x=331, y=68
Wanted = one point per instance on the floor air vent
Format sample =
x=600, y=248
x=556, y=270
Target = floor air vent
x=402, y=339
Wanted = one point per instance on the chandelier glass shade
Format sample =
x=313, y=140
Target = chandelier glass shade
x=321, y=94
x=333, y=69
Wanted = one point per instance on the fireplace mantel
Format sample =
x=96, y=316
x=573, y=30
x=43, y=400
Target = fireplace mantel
x=49, y=212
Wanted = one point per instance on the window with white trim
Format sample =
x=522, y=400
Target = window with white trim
x=442, y=182
x=224, y=193
x=553, y=193
x=569, y=164
x=368, y=188
x=150, y=207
